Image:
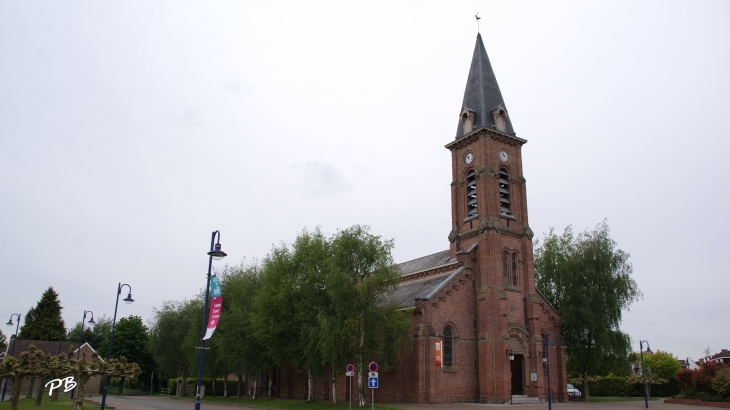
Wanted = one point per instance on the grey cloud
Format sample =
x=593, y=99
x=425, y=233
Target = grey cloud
x=321, y=179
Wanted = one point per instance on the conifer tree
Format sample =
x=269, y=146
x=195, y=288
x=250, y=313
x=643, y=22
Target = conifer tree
x=44, y=322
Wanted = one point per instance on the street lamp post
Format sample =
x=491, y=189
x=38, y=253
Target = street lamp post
x=126, y=300
x=643, y=370
x=546, y=359
x=10, y=323
x=81, y=339
x=217, y=254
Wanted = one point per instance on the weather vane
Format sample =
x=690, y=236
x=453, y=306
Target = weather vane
x=478, y=18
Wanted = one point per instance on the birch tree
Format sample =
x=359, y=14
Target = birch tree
x=588, y=280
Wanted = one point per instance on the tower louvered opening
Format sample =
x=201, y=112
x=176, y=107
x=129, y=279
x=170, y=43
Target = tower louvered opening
x=505, y=208
x=471, y=193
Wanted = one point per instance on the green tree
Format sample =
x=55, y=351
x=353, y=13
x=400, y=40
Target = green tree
x=357, y=323
x=132, y=342
x=588, y=280
x=3, y=340
x=44, y=322
x=97, y=335
x=663, y=364
x=239, y=348
x=174, y=333
x=292, y=293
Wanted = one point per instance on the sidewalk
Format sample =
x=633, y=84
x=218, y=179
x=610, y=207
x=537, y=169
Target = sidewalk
x=164, y=403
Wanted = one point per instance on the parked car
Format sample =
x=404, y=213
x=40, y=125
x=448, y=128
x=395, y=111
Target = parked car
x=572, y=391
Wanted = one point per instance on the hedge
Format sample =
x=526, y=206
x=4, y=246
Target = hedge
x=616, y=386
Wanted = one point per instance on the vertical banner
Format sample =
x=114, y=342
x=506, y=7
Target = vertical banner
x=437, y=349
x=215, y=306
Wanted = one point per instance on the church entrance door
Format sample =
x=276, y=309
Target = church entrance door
x=516, y=367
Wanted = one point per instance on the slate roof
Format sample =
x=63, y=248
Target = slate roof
x=425, y=262
x=47, y=347
x=723, y=354
x=482, y=93
x=407, y=292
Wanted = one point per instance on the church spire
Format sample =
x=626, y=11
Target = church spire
x=483, y=104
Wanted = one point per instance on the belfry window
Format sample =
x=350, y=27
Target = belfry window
x=471, y=193
x=505, y=267
x=505, y=208
x=509, y=270
x=448, y=346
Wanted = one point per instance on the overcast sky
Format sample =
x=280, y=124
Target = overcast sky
x=129, y=131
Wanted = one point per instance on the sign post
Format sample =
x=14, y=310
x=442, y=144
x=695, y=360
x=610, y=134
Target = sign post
x=350, y=372
x=373, y=380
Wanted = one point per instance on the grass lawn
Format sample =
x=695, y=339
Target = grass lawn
x=605, y=399
x=63, y=403
x=287, y=404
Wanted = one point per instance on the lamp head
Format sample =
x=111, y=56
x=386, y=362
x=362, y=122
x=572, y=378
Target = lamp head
x=648, y=349
x=128, y=299
x=217, y=254
x=91, y=321
x=10, y=322
x=510, y=355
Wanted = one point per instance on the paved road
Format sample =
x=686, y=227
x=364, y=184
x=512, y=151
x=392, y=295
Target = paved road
x=164, y=403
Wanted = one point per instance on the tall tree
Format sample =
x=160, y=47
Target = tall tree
x=174, y=333
x=3, y=340
x=358, y=323
x=292, y=293
x=588, y=280
x=44, y=322
x=239, y=347
x=96, y=336
x=132, y=342
x=662, y=364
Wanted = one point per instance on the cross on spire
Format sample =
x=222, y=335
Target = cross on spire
x=478, y=18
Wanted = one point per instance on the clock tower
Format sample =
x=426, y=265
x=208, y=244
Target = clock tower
x=490, y=233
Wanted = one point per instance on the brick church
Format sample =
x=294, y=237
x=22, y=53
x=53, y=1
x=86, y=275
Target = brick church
x=476, y=302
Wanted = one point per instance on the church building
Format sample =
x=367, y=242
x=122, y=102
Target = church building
x=479, y=323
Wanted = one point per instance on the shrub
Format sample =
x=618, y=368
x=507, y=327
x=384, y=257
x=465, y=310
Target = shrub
x=721, y=382
x=684, y=379
x=702, y=379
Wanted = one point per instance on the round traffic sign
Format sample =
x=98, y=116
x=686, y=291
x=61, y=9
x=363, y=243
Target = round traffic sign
x=350, y=368
x=373, y=367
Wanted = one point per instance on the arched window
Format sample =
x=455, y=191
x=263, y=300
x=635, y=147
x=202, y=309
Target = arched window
x=471, y=193
x=514, y=269
x=504, y=192
x=505, y=267
x=448, y=346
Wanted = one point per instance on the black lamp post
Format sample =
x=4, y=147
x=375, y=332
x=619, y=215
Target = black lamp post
x=81, y=336
x=643, y=369
x=65, y=334
x=81, y=339
x=217, y=254
x=126, y=300
x=546, y=359
x=10, y=323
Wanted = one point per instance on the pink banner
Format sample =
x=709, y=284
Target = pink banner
x=215, y=306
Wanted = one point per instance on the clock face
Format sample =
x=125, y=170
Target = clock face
x=503, y=156
x=468, y=158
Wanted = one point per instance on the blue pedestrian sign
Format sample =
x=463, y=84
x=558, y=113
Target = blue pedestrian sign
x=373, y=382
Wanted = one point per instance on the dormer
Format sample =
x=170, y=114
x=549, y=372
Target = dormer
x=500, y=118
x=467, y=120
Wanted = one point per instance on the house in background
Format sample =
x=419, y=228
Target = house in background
x=52, y=349
x=722, y=357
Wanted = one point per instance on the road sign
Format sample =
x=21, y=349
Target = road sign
x=373, y=382
x=350, y=368
x=373, y=367
x=373, y=374
x=349, y=373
